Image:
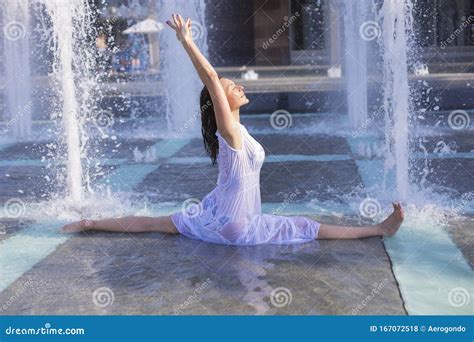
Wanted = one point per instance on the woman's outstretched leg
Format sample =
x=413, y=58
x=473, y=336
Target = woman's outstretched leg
x=131, y=224
x=387, y=228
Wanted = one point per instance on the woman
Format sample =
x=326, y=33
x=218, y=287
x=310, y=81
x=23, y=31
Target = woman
x=231, y=213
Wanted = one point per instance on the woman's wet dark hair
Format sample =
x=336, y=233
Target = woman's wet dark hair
x=208, y=125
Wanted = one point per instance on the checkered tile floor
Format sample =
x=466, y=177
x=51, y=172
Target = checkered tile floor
x=157, y=274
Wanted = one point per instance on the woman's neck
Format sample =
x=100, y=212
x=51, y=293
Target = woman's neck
x=236, y=114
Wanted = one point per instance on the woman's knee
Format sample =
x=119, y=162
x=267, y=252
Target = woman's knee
x=168, y=225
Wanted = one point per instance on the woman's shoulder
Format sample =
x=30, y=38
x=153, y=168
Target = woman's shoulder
x=234, y=140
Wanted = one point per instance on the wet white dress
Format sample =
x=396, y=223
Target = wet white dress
x=231, y=213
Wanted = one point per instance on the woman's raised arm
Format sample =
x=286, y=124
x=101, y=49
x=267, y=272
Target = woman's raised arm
x=225, y=121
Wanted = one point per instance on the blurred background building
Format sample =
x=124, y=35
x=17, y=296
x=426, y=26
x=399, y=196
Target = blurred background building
x=305, y=32
x=282, y=46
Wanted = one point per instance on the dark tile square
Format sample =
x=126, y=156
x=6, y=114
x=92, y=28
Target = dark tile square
x=178, y=182
x=302, y=144
x=195, y=148
x=313, y=180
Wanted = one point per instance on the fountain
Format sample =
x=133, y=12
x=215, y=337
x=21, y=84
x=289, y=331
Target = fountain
x=183, y=117
x=68, y=29
x=391, y=29
x=397, y=24
x=355, y=14
x=16, y=53
x=62, y=15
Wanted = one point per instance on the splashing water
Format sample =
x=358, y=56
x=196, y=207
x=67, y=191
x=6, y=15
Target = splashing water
x=355, y=14
x=16, y=50
x=61, y=15
x=181, y=84
x=397, y=19
x=68, y=29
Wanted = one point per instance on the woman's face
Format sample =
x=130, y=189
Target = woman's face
x=235, y=94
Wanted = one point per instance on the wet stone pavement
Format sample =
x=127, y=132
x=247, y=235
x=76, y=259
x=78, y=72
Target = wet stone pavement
x=152, y=273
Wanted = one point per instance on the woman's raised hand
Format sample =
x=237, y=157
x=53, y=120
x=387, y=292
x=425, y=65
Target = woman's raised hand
x=181, y=27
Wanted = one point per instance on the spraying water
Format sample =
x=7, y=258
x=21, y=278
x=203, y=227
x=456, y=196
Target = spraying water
x=355, y=61
x=397, y=19
x=181, y=83
x=16, y=34
x=73, y=64
x=61, y=16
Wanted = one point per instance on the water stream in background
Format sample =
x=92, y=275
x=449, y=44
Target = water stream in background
x=16, y=54
x=73, y=65
x=181, y=83
x=391, y=27
x=61, y=14
x=397, y=25
x=68, y=28
x=355, y=72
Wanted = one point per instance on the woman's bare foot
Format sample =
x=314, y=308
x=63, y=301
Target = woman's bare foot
x=77, y=226
x=390, y=226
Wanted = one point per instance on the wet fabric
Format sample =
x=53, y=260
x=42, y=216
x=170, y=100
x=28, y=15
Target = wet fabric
x=231, y=213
